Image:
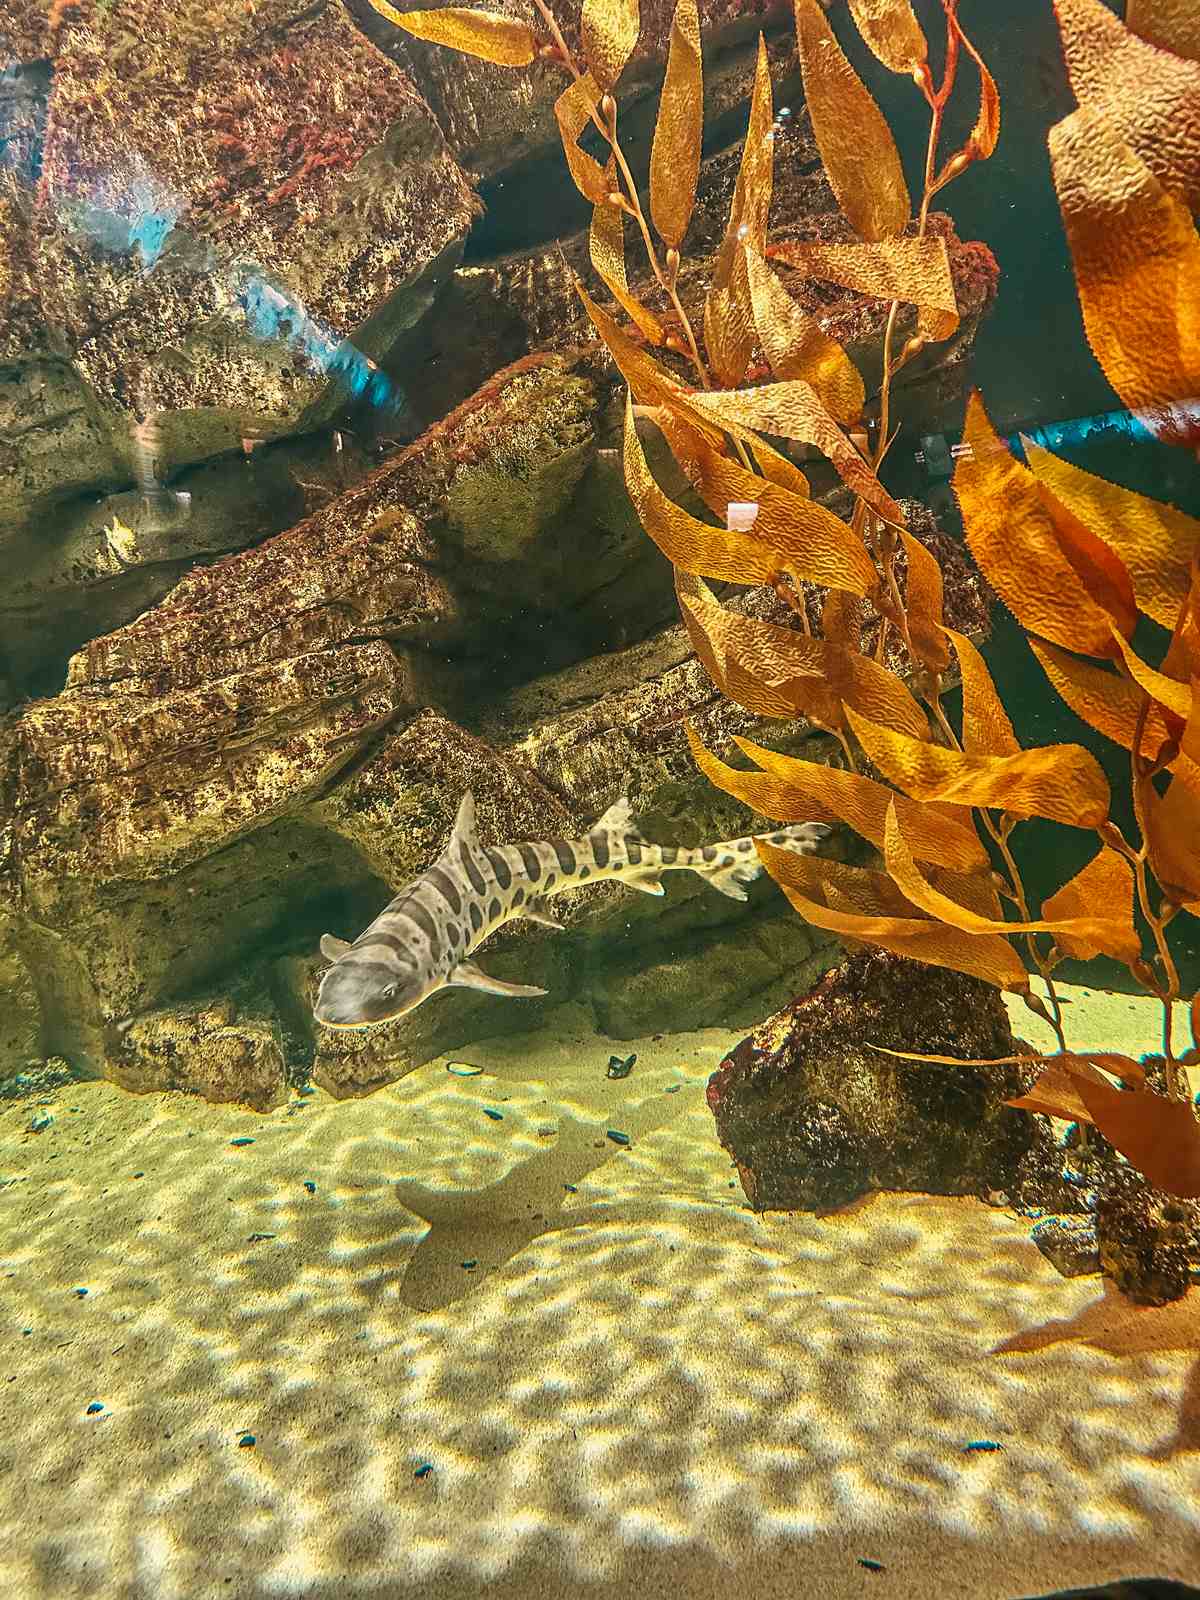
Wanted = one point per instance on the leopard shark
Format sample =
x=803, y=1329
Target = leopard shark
x=422, y=939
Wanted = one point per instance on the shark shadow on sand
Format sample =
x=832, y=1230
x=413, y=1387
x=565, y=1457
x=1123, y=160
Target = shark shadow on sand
x=488, y=1227
x=1116, y=1326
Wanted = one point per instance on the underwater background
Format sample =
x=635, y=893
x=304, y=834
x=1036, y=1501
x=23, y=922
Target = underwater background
x=353, y=460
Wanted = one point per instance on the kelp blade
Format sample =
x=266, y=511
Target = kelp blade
x=606, y=244
x=1173, y=25
x=923, y=602
x=832, y=552
x=1107, y=702
x=861, y=803
x=1108, y=932
x=1063, y=783
x=856, y=144
x=892, y=32
x=721, y=553
x=987, y=730
x=1016, y=533
x=728, y=314
x=1136, y=257
x=1154, y=540
x=913, y=270
x=797, y=347
x=506, y=41
x=1160, y=1137
x=1105, y=881
x=610, y=31
x=794, y=410
x=573, y=112
x=986, y=956
x=1151, y=97
x=678, y=132
x=986, y=133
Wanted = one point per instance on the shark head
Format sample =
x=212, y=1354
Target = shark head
x=359, y=992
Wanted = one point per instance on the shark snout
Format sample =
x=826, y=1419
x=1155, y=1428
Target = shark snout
x=357, y=994
x=335, y=1016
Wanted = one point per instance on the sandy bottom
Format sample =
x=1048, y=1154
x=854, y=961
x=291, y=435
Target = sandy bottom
x=398, y=1346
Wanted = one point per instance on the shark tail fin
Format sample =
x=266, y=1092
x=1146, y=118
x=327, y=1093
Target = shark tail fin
x=737, y=862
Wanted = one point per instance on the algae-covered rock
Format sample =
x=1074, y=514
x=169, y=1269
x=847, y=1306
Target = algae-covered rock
x=21, y=1011
x=211, y=220
x=93, y=564
x=215, y=223
x=398, y=808
x=209, y=1052
x=1148, y=1241
x=120, y=785
x=1069, y=1244
x=814, y=1116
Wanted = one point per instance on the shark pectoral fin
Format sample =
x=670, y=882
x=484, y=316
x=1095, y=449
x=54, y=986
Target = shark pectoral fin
x=535, y=911
x=468, y=976
x=333, y=949
x=647, y=883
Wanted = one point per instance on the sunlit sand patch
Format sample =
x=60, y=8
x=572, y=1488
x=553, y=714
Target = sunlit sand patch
x=636, y=1386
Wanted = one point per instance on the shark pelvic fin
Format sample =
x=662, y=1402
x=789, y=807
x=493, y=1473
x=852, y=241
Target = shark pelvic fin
x=647, y=882
x=729, y=880
x=332, y=949
x=535, y=911
x=468, y=976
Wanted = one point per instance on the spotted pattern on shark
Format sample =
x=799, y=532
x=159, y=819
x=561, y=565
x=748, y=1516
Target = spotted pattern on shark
x=420, y=942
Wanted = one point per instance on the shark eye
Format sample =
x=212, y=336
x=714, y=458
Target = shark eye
x=392, y=990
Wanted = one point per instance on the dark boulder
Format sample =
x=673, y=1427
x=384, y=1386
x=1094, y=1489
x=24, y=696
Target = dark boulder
x=1148, y=1240
x=813, y=1116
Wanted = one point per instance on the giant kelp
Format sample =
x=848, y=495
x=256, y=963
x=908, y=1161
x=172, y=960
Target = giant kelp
x=1077, y=559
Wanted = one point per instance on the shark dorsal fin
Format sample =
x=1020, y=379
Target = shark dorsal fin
x=333, y=949
x=619, y=817
x=464, y=822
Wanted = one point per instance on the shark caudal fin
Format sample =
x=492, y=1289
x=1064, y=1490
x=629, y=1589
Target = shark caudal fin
x=736, y=863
